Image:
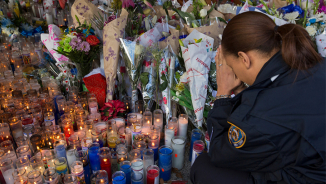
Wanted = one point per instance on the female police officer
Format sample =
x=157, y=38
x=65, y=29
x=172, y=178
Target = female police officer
x=273, y=131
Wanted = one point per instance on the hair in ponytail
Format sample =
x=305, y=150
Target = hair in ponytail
x=256, y=31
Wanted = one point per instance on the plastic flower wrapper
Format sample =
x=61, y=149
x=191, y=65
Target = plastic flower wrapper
x=132, y=53
x=147, y=78
x=321, y=43
x=197, y=52
x=163, y=74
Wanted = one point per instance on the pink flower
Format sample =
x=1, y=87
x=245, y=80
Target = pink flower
x=165, y=100
x=112, y=108
x=127, y=3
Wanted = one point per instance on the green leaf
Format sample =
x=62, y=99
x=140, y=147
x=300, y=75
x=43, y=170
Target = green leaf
x=222, y=20
x=144, y=78
x=163, y=86
x=177, y=75
x=210, y=10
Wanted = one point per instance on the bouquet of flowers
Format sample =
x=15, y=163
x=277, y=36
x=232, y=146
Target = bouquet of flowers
x=81, y=46
x=112, y=109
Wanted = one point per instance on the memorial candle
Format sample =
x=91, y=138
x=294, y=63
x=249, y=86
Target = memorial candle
x=148, y=159
x=195, y=135
x=34, y=177
x=96, y=138
x=7, y=168
x=101, y=177
x=178, y=145
x=137, y=178
x=147, y=118
x=83, y=157
x=101, y=129
x=183, y=125
x=153, y=174
x=48, y=157
x=174, y=121
x=5, y=133
x=77, y=170
x=158, y=118
x=70, y=179
x=51, y=176
x=120, y=142
x=169, y=133
x=23, y=162
x=134, y=154
x=2, y=157
x=94, y=156
x=88, y=128
x=198, y=148
x=67, y=127
x=61, y=165
x=141, y=145
x=16, y=127
x=125, y=167
x=128, y=136
x=119, y=121
x=19, y=173
x=105, y=161
x=119, y=178
x=60, y=150
x=154, y=143
x=137, y=165
x=165, y=162
x=49, y=117
x=71, y=155
x=37, y=164
x=122, y=154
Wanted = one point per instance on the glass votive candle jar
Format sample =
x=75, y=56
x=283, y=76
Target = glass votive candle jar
x=125, y=167
x=19, y=173
x=36, y=142
x=37, y=163
x=7, y=146
x=122, y=154
x=101, y=130
x=147, y=118
x=137, y=178
x=96, y=138
x=71, y=156
x=77, y=170
x=131, y=119
x=119, y=121
x=178, y=145
x=141, y=145
x=92, y=105
x=7, y=169
x=16, y=127
x=153, y=173
x=34, y=177
x=5, y=132
x=67, y=127
x=105, y=161
x=88, y=128
x=112, y=126
x=74, y=142
x=95, y=117
x=134, y=154
x=118, y=177
x=70, y=179
x=61, y=165
x=174, y=121
x=137, y=165
x=146, y=130
x=48, y=157
x=139, y=106
x=60, y=139
x=55, y=129
x=83, y=157
x=94, y=156
x=49, y=117
x=120, y=142
x=24, y=151
x=169, y=134
x=154, y=143
x=21, y=180
x=148, y=159
x=165, y=162
x=51, y=176
x=158, y=118
x=23, y=162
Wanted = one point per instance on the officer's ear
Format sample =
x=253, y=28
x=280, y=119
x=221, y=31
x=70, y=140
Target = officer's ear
x=245, y=60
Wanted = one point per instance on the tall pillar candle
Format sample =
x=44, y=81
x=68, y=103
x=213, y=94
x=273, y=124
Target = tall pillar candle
x=174, y=121
x=60, y=150
x=137, y=166
x=154, y=143
x=61, y=166
x=83, y=157
x=195, y=135
x=71, y=156
x=169, y=134
x=178, y=145
x=77, y=169
x=94, y=156
x=153, y=174
x=158, y=118
x=105, y=159
x=165, y=162
x=147, y=118
x=7, y=168
x=137, y=178
x=122, y=154
x=183, y=125
x=125, y=167
x=148, y=159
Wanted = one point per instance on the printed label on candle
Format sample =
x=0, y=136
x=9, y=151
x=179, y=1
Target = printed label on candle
x=27, y=58
x=195, y=154
x=93, y=110
x=157, y=180
x=113, y=153
x=176, y=155
x=79, y=173
x=133, y=136
x=52, y=120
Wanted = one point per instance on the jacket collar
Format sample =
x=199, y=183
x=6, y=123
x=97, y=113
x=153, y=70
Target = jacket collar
x=273, y=67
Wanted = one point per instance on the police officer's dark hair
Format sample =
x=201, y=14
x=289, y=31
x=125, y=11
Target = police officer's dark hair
x=256, y=31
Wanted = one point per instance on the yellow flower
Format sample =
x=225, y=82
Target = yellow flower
x=180, y=87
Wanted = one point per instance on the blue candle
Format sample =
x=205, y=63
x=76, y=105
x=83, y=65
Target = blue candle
x=165, y=162
x=155, y=154
x=100, y=142
x=60, y=150
x=87, y=173
x=119, y=178
x=126, y=168
x=195, y=135
x=94, y=156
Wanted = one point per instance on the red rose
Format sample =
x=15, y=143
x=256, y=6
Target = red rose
x=122, y=69
x=92, y=40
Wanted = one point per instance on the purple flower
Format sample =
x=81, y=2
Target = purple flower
x=127, y=3
x=84, y=46
x=74, y=42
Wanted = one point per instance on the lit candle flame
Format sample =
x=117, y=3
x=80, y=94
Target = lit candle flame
x=37, y=148
x=49, y=143
x=104, y=160
x=153, y=144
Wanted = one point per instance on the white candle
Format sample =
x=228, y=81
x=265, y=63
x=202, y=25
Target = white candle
x=49, y=18
x=159, y=122
x=183, y=126
x=92, y=107
x=119, y=122
x=145, y=130
x=169, y=134
x=7, y=175
x=71, y=156
x=178, y=145
x=128, y=136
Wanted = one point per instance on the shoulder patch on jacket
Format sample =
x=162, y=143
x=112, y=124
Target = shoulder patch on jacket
x=236, y=136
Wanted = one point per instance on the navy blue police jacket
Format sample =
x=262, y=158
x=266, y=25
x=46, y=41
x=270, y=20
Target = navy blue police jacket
x=274, y=129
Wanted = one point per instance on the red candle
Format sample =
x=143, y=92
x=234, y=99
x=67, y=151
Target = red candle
x=106, y=165
x=152, y=174
x=5, y=138
x=27, y=121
